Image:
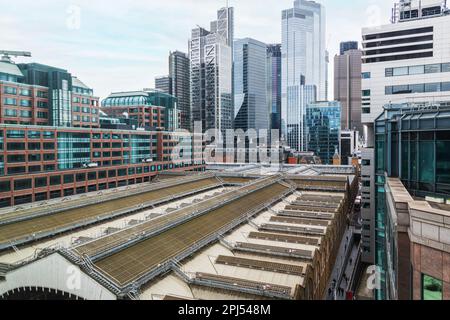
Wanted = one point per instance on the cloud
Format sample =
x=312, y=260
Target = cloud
x=121, y=45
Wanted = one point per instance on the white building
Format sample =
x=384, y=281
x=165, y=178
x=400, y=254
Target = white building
x=304, y=56
x=406, y=61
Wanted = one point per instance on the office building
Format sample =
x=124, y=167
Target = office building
x=297, y=135
x=412, y=166
x=407, y=61
x=53, y=145
x=164, y=84
x=349, y=146
x=274, y=85
x=347, y=88
x=250, y=100
x=304, y=58
x=151, y=109
x=323, y=121
x=211, y=73
x=346, y=46
x=179, y=74
x=35, y=94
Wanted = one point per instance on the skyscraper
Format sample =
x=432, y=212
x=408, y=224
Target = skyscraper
x=323, y=120
x=297, y=135
x=347, y=45
x=250, y=100
x=304, y=60
x=164, y=84
x=179, y=75
x=347, y=88
x=274, y=85
x=211, y=75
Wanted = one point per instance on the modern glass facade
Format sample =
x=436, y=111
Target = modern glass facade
x=250, y=101
x=179, y=74
x=304, y=59
x=295, y=117
x=211, y=72
x=412, y=143
x=323, y=121
x=274, y=85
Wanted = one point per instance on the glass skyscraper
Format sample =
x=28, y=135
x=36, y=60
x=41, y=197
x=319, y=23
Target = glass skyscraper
x=250, y=100
x=300, y=97
x=324, y=126
x=304, y=59
x=211, y=55
x=274, y=85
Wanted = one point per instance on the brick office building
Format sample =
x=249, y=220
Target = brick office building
x=51, y=143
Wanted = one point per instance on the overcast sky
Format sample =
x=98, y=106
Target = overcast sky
x=123, y=45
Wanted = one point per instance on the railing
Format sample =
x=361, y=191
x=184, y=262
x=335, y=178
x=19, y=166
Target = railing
x=114, y=195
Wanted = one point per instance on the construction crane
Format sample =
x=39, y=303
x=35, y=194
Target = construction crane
x=6, y=55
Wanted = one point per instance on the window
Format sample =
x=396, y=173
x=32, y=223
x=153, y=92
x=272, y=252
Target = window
x=366, y=75
x=445, y=86
x=68, y=178
x=13, y=146
x=432, y=68
x=25, y=103
x=15, y=134
x=49, y=146
x=16, y=158
x=34, y=157
x=5, y=186
x=10, y=113
x=432, y=87
x=403, y=71
x=40, y=182
x=402, y=89
x=55, y=180
x=10, y=101
x=416, y=88
x=445, y=67
x=366, y=93
x=23, y=184
x=26, y=114
x=416, y=70
x=10, y=90
x=34, y=146
x=431, y=288
x=389, y=72
x=34, y=135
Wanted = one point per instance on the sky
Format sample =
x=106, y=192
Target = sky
x=122, y=45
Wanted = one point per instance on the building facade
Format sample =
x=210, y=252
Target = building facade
x=304, y=56
x=297, y=135
x=412, y=166
x=150, y=109
x=403, y=62
x=211, y=72
x=346, y=46
x=323, y=121
x=179, y=72
x=164, y=84
x=52, y=144
x=250, y=99
x=35, y=94
x=347, y=88
x=274, y=85
x=349, y=146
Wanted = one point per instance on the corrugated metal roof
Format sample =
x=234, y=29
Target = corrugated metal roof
x=10, y=68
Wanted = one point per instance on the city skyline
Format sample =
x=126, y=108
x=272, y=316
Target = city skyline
x=114, y=53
